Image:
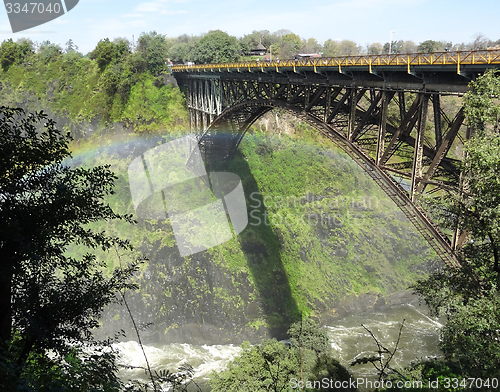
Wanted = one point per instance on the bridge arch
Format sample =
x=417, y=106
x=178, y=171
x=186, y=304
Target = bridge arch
x=353, y=101
x=222, y=138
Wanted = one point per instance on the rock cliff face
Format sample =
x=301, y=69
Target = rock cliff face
x=322, y=239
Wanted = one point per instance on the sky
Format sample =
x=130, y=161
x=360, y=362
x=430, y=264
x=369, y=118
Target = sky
x=363, y=21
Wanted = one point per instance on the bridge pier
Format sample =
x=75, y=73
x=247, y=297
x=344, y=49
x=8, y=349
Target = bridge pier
x=203, y=102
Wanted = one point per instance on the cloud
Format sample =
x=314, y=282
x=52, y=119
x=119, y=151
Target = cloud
x=152, y=6
x=159, y=6
x=133, y=15
x=377, y=3
x=165, y=12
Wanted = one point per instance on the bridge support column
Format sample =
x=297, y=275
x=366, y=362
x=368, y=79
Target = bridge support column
x=353, y=102
x=204, y=103
x=438, y=126
x=459, y=237
x=416, y=174
x=382, y=126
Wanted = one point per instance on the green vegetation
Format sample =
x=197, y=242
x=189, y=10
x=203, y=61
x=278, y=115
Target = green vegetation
x=217, y=46
x=297, y=255
x=469, y=296
x=111, y=86
x=319, y=229
x=12, y=52
x=49, y=300
x=276, y=366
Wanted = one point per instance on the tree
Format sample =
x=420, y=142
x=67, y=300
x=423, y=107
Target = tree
x=281, y=33
x=124, y=44
x=71, y=46
x=250, y=41
x=331, y=48
x=395, y=47
x=216, y=47
x=269, y=366
x=289, y=45
x=50, y=301
x=310, y=46
x=482, y=104
x=348, y=48
x=409, y=47
x=182, y=48
x=274, y=366
x=306, y=335
x=14, y=52
x=428, y=46
x=9, y=54
x=179, y=52
x=480, y=42
x=49, y=52
x=469, y=296
x=153, y=48
x=426, y=375
x=104, y=53
x=374, y=49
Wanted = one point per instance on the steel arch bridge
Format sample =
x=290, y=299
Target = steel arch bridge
x=384, y=111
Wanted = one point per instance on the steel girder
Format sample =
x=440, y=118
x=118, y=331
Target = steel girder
x=385, y=131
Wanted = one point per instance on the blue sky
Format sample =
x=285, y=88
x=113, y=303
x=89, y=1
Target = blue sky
x=363, y=21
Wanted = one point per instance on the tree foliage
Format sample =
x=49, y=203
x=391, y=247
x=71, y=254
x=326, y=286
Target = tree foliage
x=482, y=104
x=273, y=365
x=331, y=48
x=50, y=301
x=49, y=52
x=153, y=49
x=348, y=48
x=107, y=52
x=427, y=375
x=250, y=41
x=306, y=335
x=216, y=46
x=469, y=296
x=71, y=46
x=14, y=53
x=289, y=45
x=428, y=46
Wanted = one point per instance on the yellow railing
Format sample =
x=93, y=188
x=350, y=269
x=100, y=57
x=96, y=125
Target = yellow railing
x=491, y=56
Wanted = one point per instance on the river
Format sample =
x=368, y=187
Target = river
x=419, y=339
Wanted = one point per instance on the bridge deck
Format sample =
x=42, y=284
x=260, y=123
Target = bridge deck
x=440, y=71
x=457, y=59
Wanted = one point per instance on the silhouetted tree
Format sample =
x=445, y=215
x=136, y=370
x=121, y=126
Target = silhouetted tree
x=49, y=300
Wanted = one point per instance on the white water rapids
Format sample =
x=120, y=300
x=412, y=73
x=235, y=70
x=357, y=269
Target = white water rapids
x=419, y=339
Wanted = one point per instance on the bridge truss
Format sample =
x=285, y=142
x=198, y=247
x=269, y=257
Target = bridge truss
x=392, y=124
